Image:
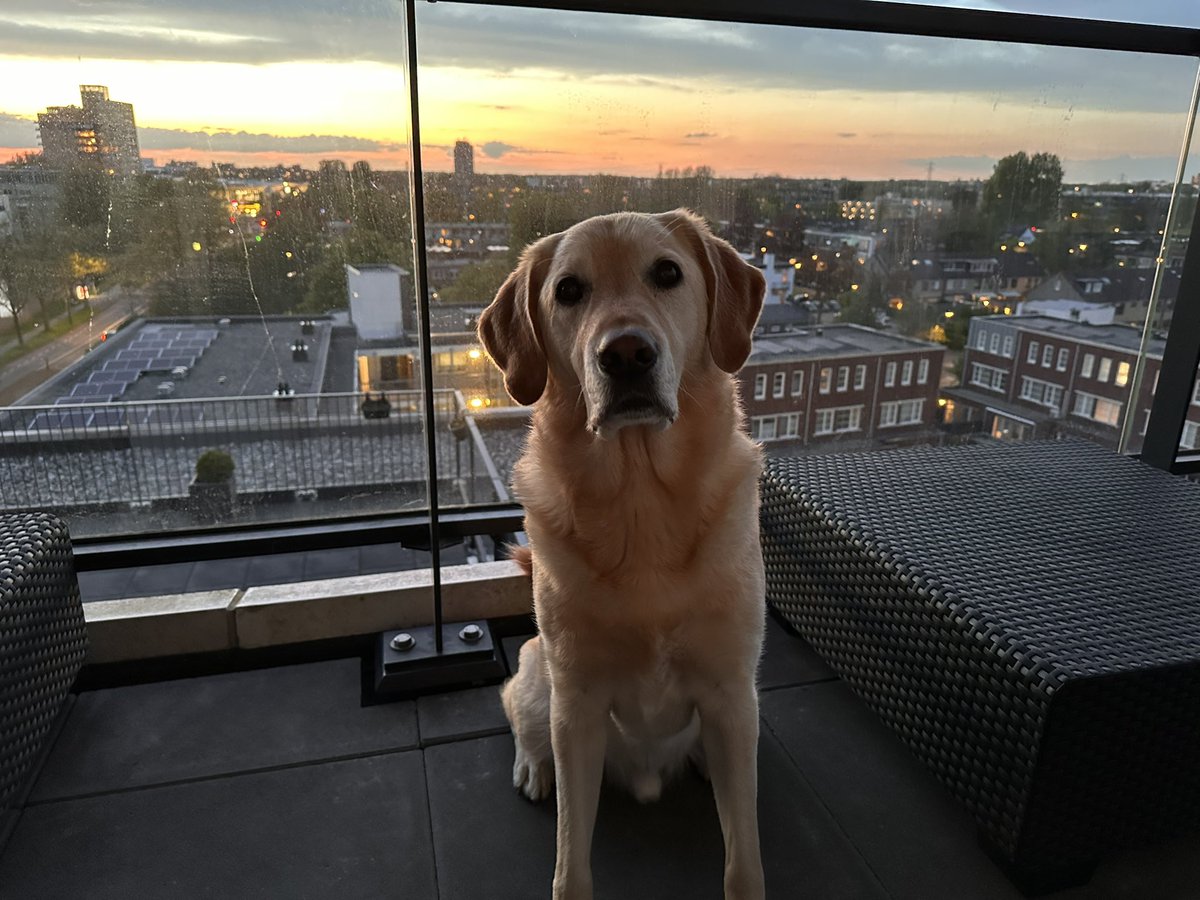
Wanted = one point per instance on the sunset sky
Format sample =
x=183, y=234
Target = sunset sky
x=541, y=92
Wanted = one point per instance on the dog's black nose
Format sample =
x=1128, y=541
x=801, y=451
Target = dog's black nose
x=628, y=355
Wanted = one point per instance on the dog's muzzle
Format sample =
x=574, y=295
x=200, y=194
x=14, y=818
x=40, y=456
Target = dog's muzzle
x=631, y=377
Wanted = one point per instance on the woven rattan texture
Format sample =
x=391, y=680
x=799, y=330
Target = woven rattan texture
x=959, y=590
x=42, y=638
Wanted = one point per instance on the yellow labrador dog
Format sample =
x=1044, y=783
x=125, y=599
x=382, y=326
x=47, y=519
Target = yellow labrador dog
x=641, y=505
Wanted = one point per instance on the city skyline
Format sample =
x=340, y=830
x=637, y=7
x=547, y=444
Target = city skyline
x=552, y=93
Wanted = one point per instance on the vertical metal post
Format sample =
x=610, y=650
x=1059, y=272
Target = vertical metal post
x=416, y=195
x=1169, y=408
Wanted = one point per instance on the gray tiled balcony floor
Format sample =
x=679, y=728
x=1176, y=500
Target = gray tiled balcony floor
x=280, y=783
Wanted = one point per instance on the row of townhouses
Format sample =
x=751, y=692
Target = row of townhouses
x=855, y=385
x=1036, y=376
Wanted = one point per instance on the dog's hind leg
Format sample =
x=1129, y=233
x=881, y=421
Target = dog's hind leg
x=526, y=701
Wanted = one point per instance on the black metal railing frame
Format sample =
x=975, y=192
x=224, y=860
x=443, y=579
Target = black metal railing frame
x=434, y=526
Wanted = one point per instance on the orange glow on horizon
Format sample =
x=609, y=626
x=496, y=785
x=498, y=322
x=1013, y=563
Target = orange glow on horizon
x=534, y=121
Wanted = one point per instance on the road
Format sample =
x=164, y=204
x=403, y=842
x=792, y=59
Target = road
x=23, y=374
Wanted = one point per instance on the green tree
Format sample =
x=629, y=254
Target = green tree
x=1024, y=190
x=535, y=214
x=477, y=283
x=862, y=305
x=326, y=280
x=83, y=208
x=35, y=274
x=857, y=309
x=959, y=325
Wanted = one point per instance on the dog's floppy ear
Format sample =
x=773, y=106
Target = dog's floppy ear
x=735, y=289
x=508, y=327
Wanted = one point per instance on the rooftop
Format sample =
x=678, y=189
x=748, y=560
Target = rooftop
x=820, y=342
x=1119, y=337
x=248, y=357
x=281, y=781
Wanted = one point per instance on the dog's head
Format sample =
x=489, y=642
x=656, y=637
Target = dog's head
x=617, y=309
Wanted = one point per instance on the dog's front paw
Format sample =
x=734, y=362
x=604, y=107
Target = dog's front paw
x=533, y=778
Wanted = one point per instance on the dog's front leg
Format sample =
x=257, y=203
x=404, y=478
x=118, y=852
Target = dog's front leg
x=578, y=735
x=729, y=730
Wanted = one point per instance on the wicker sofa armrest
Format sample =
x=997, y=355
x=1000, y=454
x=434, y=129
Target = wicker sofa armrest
x=43, y=640
x=1026, y=617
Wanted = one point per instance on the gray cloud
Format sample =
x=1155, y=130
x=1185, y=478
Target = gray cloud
x=16, y=131
x=496, y=149
x=1153, y=12
x=700, y=134
x=686, y=56
x=847, y=134
x=1124, y=167
x=207, y=30
x=247, y=142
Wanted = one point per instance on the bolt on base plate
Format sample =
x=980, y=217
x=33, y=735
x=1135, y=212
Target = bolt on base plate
x=407, y=664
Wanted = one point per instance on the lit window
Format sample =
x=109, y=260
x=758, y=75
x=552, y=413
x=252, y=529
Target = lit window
x=1098, y=409
x=826, y=380
x=1122, y=374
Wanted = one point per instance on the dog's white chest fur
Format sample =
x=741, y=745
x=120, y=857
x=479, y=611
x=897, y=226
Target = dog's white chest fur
x=653, y=730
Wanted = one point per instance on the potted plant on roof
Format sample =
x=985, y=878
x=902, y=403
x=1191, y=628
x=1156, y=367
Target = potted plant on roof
x=376, y=406
x=212, y=491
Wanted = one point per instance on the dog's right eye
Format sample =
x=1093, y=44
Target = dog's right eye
x=569, y=291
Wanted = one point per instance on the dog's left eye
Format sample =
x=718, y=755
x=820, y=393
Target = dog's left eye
x=666, y=273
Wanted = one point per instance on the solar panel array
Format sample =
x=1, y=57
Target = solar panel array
x=155, y=348
x=76, y=416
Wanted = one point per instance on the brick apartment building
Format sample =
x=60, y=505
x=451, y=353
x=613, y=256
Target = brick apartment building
x=840, y=382
x=1035, y=376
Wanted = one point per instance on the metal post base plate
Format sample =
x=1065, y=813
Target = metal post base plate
x=400, y=673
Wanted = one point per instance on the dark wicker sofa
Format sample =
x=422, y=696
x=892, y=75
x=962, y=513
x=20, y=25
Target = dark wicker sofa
x=43, y=641
x=1025, y=616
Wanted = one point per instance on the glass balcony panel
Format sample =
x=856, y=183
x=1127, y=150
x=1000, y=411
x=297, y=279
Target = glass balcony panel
x=925, y=210
x=227, y=284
